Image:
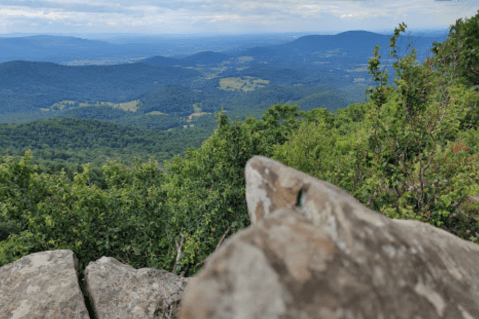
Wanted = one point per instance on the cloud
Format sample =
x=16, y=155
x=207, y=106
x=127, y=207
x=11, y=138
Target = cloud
x=227, y=16
x=34, y=14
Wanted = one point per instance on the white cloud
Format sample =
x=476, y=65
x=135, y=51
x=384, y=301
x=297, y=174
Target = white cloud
x=34, y=14
x=227, y=16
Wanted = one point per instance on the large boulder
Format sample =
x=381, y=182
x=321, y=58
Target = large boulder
x=45, y=285
x=313, y=251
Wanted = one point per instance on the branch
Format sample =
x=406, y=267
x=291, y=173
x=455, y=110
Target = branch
x=218, y=246
x=180, y=246
x=179, y=251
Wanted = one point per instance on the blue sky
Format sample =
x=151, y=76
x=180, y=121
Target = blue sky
x=227, y=16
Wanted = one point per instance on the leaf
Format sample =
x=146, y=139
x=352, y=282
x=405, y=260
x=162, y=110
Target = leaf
x=447, y=200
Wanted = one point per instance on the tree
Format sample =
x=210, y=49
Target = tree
x=467, y=32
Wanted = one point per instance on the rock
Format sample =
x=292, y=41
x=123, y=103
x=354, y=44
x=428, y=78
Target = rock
x=45, y=285
x=313, y=251
x=118, y=290
x=42, y=285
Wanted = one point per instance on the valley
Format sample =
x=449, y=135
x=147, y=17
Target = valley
x=173, y=99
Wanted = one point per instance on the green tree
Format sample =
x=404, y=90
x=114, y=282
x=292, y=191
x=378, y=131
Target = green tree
x=465, y=40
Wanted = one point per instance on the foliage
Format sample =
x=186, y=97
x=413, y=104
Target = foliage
x=67, y=144
x=56, y=214
x=467, y=31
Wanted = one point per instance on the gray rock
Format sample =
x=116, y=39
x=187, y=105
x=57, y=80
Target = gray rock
x=313, y=251
x=42, y=285
x=118, y=290
x=45, y=285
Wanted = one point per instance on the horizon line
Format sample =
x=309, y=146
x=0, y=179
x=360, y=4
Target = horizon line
x=380, y=31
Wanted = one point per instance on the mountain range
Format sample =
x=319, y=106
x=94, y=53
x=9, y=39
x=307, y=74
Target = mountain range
x=311, y=71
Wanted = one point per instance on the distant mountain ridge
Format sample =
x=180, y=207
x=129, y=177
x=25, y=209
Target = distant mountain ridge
x=351, y=46
x=54, y=41
x=51, y=48
x=354, y=43
x=337, y=61
x=162, y=61
x=61, y=49
x=206, y=57
x=28, y=86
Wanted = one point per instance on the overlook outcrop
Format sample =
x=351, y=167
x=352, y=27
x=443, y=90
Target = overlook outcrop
x=313, y=251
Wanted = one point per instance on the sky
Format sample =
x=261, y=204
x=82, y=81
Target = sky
x=157, y=17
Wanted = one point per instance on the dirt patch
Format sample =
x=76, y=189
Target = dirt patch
x=195, y=114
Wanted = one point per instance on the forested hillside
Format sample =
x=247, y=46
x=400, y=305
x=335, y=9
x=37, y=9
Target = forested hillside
x=408, y=152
